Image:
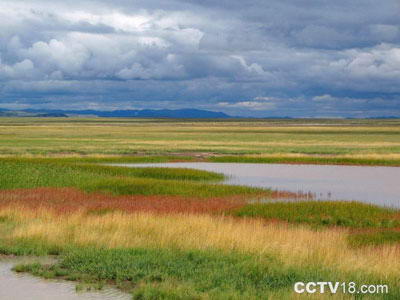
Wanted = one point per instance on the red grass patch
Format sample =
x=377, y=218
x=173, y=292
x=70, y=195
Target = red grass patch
x=68, y=200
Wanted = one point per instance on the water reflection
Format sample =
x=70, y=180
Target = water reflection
x=377, y=185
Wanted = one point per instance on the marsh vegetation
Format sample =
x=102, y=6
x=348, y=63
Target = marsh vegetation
x=179, y=233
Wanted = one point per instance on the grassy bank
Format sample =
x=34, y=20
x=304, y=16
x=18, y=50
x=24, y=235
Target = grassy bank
x=33, y=173
x=166, y=274
x=180, y=256
x=193, y=256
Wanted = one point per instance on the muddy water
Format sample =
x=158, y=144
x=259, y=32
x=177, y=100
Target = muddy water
x=376, y=185
x=21, y=286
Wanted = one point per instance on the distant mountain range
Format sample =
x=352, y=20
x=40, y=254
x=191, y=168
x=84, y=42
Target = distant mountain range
x=145, y=113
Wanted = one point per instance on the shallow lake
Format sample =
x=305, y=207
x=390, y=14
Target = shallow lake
x=377, y=185
x=22, y=286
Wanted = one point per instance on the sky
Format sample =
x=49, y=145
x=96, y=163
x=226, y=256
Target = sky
x=258, y=58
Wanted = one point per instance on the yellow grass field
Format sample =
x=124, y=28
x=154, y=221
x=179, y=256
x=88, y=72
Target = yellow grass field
x=365, y=139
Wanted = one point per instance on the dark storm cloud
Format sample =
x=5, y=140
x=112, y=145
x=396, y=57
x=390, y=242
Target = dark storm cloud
x=298, y=58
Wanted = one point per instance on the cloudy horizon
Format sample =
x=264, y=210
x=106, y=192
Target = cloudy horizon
x=254, y=58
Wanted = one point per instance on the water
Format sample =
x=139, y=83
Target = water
x=376, y=185
x=22, y=286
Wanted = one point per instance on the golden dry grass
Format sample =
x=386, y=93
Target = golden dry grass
x=295, y=246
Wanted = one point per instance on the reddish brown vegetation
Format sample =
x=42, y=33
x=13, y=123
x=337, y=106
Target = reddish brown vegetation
x=67, y=200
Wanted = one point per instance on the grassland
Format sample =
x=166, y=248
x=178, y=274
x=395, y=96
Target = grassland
x=310, y=141
x=179, y=234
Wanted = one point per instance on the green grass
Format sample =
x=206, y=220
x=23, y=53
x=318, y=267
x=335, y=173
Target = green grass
x=324, y=213
x=33, y=173
x=28, y=247
x=154, y=173
x=175, y=274
x=128, y=186
x=374, y=238
x=80, y=167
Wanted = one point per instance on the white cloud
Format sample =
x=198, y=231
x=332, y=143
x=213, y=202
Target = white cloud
x=323, y=98
x=251, y=105
x=382, y=61
x=259, y=98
